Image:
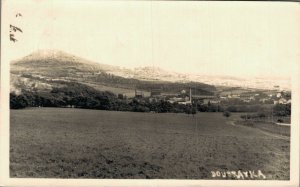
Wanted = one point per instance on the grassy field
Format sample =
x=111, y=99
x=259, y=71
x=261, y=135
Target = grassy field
x=268, y=127
x=75, y=143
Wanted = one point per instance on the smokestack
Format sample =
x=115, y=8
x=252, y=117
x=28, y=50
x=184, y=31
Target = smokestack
x=190, y=94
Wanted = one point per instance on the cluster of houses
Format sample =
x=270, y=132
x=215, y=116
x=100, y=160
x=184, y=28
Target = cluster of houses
x=185, y=97
x=268, y=97
x=182, y=98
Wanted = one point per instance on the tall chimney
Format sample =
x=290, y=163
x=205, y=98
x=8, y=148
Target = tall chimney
x=190, y=94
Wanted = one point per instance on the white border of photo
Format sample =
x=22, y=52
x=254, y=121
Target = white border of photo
x=5, y=180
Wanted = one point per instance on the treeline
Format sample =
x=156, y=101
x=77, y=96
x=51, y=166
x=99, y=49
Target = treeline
x=282, y=109
x=279, y=113
x=73, y=94
x=82, y=96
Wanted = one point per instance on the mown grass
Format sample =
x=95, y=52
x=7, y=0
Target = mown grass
x=75, y=143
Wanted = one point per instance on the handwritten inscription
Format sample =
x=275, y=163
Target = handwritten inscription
x=239, y=174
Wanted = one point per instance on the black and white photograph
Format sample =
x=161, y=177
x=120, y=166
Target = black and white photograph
x=198, y=92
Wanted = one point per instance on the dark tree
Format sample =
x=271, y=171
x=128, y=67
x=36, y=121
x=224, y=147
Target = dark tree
x=18, y=101
x=226, y=114
x=193, y=111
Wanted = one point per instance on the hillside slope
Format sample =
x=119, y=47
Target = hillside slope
x=47, y=69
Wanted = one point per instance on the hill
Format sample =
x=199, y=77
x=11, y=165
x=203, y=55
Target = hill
x=47, y=69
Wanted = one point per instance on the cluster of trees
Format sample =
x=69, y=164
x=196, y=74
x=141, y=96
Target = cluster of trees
x=258, y=115
x=244, y=108
x=282, y=109
x=82, y=96
x=210, y=108
x=279, y=112
x=18, y=101
x=161, y=107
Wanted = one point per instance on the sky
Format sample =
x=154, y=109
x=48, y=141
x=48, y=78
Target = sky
x=212, y=38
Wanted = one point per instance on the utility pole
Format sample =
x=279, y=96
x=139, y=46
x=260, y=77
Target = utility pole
x=196, y=131
x=272, y=115
x=191, y=95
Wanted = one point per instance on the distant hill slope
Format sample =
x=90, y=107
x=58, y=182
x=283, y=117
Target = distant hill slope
x=47, y=69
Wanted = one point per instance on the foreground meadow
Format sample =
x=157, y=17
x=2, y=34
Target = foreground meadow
x=76, y=143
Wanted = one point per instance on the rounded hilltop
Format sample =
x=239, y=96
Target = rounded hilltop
x=46, y=55
x=52, y=58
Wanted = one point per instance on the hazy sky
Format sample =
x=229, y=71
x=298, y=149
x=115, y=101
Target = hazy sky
x=231, y=38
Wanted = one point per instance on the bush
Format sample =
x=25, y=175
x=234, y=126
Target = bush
x=280, y=120
x=261, y=115
x=188, y=110
x=194, y=111
x=226, y=114
x=18, y=101
x=282, y=109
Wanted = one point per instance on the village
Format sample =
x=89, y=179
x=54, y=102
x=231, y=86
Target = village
x=187, y=97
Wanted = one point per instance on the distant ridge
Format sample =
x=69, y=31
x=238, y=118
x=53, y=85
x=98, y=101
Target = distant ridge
x=60, y=60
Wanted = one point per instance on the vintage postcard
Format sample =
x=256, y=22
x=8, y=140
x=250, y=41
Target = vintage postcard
x=149, y=93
